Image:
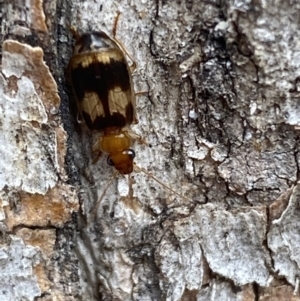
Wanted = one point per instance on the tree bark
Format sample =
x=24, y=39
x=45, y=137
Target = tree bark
x=215, y=214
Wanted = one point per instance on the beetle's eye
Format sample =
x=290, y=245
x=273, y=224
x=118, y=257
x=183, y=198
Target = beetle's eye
x=110, y=162
x=129, y=152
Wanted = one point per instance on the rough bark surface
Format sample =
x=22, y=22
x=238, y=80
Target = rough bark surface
x=221, y=117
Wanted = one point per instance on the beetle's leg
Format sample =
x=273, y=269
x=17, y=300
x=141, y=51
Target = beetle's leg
x=96, y=151
x=141, y=93
x=134, y=136
x=137, y=168
x=95, y=209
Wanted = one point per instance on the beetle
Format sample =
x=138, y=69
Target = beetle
x=101, y=79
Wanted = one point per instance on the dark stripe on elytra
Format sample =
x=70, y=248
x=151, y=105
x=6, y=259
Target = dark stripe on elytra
x=100, y=78
x=115, y=120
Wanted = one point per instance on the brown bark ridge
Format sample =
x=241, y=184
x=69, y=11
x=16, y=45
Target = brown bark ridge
x=221, y=117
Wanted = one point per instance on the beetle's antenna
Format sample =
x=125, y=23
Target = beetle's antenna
x=120, y=44
x=114, y=32
x=137, y=168
x=95, y=210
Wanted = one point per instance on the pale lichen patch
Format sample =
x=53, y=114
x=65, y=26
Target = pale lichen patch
x=30, y=156
x=21, y=59
x=17, y=278
x=283, y=237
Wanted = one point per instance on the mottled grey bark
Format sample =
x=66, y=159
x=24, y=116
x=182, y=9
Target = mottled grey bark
x=221, y=118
